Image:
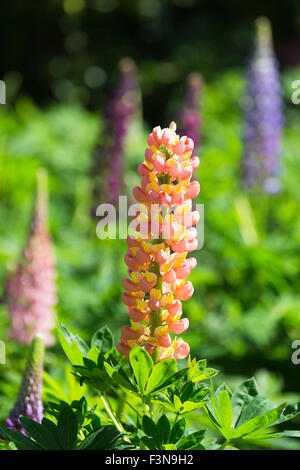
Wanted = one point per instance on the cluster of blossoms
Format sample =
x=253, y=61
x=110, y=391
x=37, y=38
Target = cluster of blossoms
x=119, y=113
x=263, y=115
x=157, y=253
x=31, y=288
x=190, y=117
x=29, y=402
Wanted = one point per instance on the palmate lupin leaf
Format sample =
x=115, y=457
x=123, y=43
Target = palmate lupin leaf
x=245, y=414
x=263, y=115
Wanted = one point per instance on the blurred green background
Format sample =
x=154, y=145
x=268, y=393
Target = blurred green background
x=59, y=65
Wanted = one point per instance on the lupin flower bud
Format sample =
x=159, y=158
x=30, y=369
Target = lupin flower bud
x=157, y=251
x=264, y=119
x=29, y=400
x=190, y=117
x=119, y=113
x=31, y=289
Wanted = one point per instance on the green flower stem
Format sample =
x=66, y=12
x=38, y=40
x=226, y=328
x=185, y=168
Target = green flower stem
x=117, y=424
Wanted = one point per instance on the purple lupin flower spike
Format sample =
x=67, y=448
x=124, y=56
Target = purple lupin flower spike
x=263, y=115
x=109, y=164
x=29, y=400
x=190, y=120
x=31, y=288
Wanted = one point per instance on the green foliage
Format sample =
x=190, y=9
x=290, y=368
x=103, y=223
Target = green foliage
x=73, y=346
x=162, y=389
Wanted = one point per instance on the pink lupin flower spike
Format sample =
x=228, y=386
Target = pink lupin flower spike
x=31, y=288
x=157, y=262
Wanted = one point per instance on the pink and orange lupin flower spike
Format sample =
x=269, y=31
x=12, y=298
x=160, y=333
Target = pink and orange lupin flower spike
x=157, y=257
x=31, y=288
